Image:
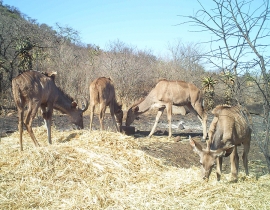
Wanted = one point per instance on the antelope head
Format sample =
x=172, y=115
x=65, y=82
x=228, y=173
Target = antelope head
x=119, y=116
x=76, y=115
x=132, y=113
x=207, y=156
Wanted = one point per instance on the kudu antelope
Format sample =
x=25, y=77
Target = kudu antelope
x=228, y=130
x=34, y=89
x=102, y=92
x=164, y=95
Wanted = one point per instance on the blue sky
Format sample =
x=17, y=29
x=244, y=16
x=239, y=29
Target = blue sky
x=145, y=24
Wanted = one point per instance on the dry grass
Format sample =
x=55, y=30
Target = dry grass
x=104, y=170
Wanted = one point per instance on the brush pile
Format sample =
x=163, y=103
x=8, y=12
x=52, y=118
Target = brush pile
x=106, y=170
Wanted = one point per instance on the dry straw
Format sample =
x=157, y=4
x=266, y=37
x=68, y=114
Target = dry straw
x=105, y=170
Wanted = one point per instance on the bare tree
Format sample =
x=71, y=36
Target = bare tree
x=126, y=63
x=240, y=45
x=186, y=61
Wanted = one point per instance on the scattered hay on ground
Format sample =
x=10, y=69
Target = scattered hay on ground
x=105, y=170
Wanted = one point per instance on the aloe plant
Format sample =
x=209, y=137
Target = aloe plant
x=208, y=84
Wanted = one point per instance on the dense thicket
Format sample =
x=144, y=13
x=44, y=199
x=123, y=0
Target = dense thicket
x=26, y=44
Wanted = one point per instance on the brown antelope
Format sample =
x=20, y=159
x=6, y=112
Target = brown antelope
x=164, y=95
x=102, y=92
x=228, y=130
x=34, y=89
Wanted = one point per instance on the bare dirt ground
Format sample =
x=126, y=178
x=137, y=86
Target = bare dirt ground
x=175, y=152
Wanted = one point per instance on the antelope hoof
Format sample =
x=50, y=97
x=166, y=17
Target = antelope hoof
x=203, y=140
x=233, y=180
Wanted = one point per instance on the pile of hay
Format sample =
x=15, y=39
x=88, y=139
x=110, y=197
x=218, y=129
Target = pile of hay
x=105, y=170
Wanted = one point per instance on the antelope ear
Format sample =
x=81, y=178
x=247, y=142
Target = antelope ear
x=225, y=151
x=196, y=146
x=73, y=104
x=228, y=150
x=219, y=152
x=135, y=109
x=118, y=111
